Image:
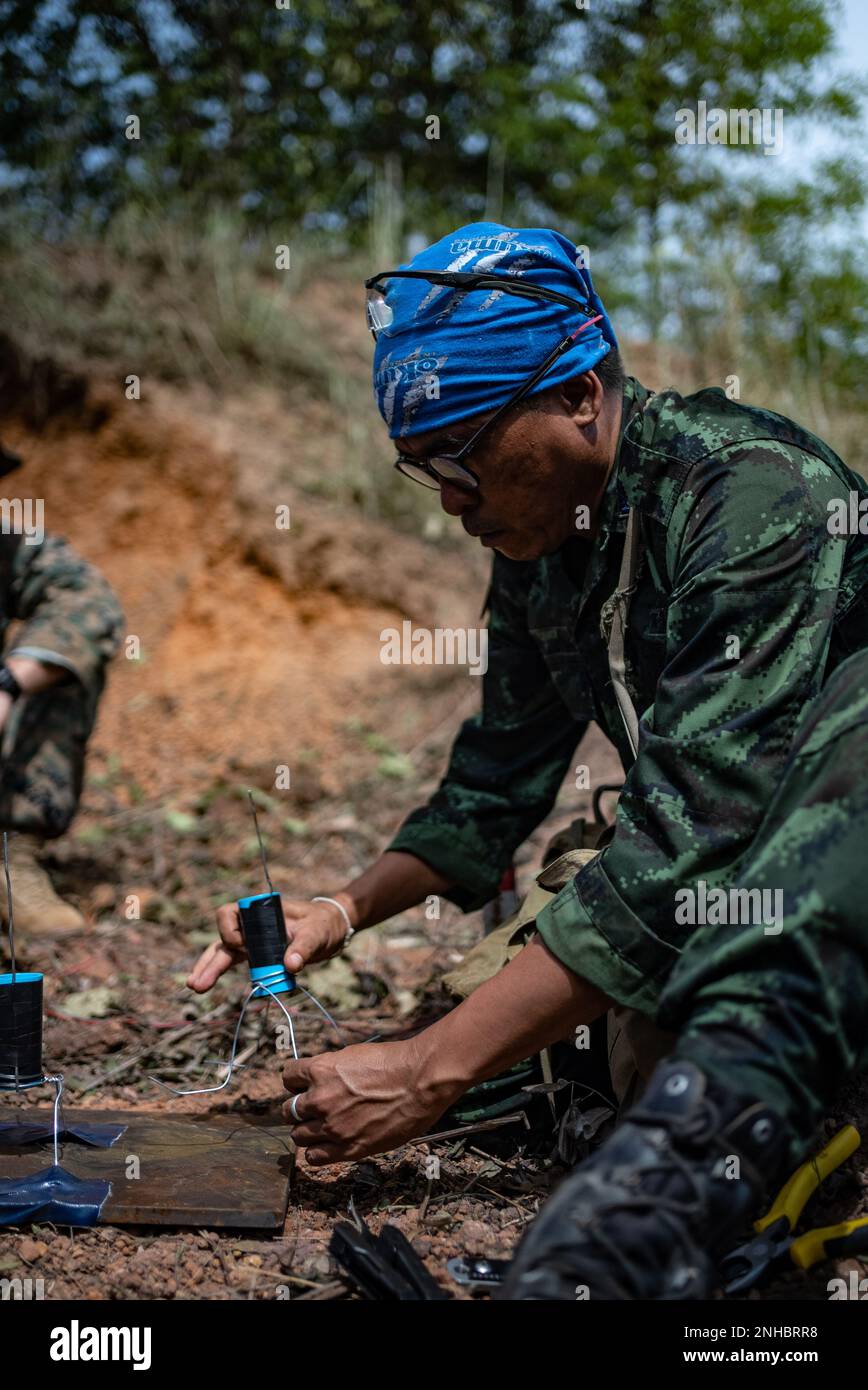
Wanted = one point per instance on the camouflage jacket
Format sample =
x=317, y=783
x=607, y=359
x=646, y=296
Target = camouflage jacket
x=734, y=509
x=68, y=614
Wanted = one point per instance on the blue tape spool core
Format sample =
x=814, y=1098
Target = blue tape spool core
x=21, y=977
x=277, y=977
x=279, y=982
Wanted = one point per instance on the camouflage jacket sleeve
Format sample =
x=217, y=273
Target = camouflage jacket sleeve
x=507, y=763
x=69, y=614
x=754, y=579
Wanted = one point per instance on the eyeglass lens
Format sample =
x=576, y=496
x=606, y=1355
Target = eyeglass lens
x=378, y=311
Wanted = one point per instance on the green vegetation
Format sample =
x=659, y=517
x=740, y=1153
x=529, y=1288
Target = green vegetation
x=310, y=127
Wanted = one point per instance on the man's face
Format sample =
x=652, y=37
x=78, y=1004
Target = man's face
x=535, y=468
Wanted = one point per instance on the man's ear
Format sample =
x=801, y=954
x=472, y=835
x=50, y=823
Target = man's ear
x=582, y=398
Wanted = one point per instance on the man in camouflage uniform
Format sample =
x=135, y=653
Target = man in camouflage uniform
x=769, y=1026
x=663, y=565
x=68, y=626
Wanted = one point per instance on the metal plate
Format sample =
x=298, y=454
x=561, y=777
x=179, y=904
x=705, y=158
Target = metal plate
x=215, y=1172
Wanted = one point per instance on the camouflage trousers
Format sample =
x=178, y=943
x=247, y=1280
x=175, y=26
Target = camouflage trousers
x=43, y=751
x=783, y=1015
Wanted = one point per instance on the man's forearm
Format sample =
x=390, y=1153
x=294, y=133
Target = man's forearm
x=394, y=883
x=533, y=1002
x=33, y=675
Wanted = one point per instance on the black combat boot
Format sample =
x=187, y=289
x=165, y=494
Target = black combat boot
x=646, y=1215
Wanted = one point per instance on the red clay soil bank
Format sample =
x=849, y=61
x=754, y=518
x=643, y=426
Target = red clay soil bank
x=256, y=642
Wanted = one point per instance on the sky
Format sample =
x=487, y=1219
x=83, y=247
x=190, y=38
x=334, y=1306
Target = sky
x=851, y=58
x=856, y=28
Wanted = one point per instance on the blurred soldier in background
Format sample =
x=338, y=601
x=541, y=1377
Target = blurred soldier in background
x=68, y=625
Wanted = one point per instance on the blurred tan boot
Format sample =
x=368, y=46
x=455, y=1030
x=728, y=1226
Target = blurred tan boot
x=38, y=909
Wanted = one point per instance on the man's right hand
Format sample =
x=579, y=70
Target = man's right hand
x=316, y=931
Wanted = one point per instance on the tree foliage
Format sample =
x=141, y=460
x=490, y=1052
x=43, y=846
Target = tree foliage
x=320, y=116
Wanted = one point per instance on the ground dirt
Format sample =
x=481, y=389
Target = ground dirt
x=257, y=649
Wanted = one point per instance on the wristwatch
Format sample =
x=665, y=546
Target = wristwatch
x=8, y=683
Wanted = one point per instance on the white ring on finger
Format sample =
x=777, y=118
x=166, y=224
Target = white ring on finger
x=292, y=1110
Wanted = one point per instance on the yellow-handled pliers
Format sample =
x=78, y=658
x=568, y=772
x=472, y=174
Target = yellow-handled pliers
x=774, y=1242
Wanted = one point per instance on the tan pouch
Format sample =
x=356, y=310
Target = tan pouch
x=636, y=1044
x=491, y=954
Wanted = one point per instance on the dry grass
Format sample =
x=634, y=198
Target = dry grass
x=205, y=305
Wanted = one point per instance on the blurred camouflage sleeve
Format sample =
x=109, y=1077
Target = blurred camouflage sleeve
x=507, y=763
x=69, y=614
x=755, y=577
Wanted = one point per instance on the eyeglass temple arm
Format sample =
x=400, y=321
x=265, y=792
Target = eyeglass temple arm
x=469, y=279
x=528, y=385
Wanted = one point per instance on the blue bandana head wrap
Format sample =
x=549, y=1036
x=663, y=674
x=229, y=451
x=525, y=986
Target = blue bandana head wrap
x=451, y=353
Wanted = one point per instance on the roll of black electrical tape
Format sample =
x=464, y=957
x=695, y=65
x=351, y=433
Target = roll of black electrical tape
x=20, y=1031
x=264, y=933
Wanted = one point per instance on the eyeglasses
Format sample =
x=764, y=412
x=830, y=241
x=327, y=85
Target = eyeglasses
x=451, y=468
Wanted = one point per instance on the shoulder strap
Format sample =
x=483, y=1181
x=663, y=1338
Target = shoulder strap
x=618, y=606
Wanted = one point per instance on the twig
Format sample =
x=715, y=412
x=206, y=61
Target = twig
x=214, y=1244
x=519, y=1117
x=160, y=1046
x=510, y=1201
x=248, y=1052
x=423, y=1209
x=324, y=1291
x=489, y=1158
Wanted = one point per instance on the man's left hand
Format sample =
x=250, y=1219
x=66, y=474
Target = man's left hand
x=363, y=1100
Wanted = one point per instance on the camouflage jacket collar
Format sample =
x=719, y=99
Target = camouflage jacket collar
x=616, y=502
x=661, y=440
x=662, y=436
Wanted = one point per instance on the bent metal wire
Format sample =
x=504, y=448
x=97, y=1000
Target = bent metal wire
x=452, y=468
x=269, y=978
x=230, y=1064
